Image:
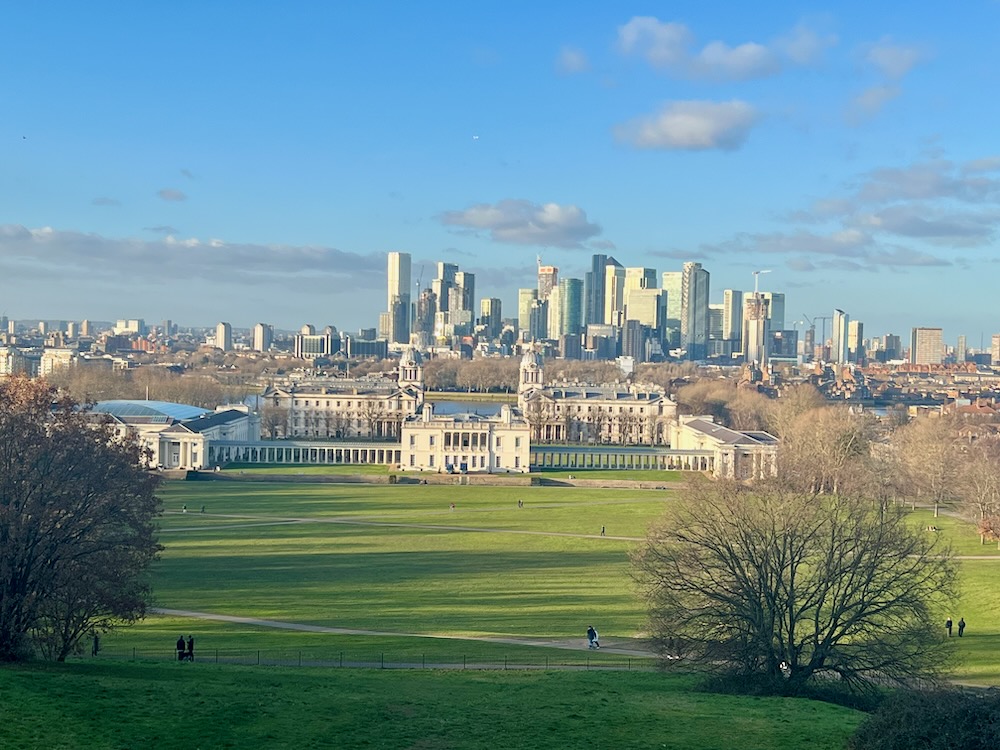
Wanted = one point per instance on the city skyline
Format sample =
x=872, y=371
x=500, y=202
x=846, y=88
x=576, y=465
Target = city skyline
x=161, y=165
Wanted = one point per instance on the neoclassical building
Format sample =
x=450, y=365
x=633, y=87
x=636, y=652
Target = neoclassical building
x=466, y=443
x=632, y=414
x=735, y=454
x=369, y=407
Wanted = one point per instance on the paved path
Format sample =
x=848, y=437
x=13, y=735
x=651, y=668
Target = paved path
x=302, y=627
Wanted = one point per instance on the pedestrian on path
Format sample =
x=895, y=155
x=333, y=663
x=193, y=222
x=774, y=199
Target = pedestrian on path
x=961, y=626
x=190, y=648
x=602, y=531
x=180, y=648
x=947, y=626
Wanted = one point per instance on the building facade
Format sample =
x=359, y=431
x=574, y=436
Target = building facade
x=465, y=443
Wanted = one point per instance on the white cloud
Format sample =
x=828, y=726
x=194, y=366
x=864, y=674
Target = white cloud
x=869, y=102
x=521, y=222
x=804, y=46
x=572, y=60
x=669, y=46
x=171, y=194
x=893, y=60
x=692, y=126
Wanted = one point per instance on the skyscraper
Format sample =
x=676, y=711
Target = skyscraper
x=224, y=337
x=995, y=349
x=548, y=278
x=263, y=335
x=926, y=346
x=441, y=286
x=775, y=309
x=756, y=329
x=489, y=316
x=855, y=342
x=465, y=283
x=694, y=310
x=732, y=317
x=614, y=295
x=571, y=315
x=838, y=336
x=398, y=297
x=593, y=289
x=648, y=306
x=962, y=350
x=525, y=299
x=672, y=283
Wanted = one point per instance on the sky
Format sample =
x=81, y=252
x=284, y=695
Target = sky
x=251, y=161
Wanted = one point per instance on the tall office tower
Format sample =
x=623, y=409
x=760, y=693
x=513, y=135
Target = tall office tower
x=649, y=307
x=638, y=278
x=732, y=317
x=224, y=337
x=634, y=340
x=593, y=288
x=263, y=336
x=962, y=350
x=926, y=346
x=716, y=313
x=72, y=329
x=756, y=329
x=856, y=342
x=995, y=349
x=838, y=336
x=489, y=316
x=571, y=315
x=775, y=309
x=398, y=294
x=43, y=327
x=672, y=283
x=614, y=295
x=441, y=286
x=423, y=320
x=548, y=278
x=465, y=284
x=538, y=320
x=525, y=299
x=553, y=328
x=84, y=327
x=694, y=310
x=167, y=328
x=892, y=345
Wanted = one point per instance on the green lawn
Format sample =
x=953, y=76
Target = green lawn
x=146, y=704
x=633, y=475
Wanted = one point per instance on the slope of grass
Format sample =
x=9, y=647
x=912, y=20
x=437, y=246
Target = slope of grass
x=140, y=705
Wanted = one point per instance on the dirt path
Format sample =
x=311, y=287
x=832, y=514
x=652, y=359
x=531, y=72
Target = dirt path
x=570, y=645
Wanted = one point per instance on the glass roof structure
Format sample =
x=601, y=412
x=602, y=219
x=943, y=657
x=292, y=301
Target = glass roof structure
x=151, y=411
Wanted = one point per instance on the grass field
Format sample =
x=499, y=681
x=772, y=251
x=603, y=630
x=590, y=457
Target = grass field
x=634, y=475
x=308, y=470
x=146, y=705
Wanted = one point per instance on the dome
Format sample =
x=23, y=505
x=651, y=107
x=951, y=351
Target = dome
x=410, y=357
x=531, y=358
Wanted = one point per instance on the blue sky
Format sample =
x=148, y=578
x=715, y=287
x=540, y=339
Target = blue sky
x=244, y=161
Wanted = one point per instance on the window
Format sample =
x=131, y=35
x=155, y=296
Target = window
x=431, y=438
x=413, y=460
x=517, y=442
x=413, y=440
x=499, y=443
x=517, y=462
x=430, y=460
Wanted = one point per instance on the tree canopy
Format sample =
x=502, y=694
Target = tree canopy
x=76, y=523
x=785, y=585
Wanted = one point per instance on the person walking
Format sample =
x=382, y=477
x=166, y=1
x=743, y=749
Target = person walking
x=190, y=648
x=947, y=626
x=180, y=648
x=961, y=626
x=96, y=645
x=602, y=531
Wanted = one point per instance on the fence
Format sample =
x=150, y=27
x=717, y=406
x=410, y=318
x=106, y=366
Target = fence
x=387, y=660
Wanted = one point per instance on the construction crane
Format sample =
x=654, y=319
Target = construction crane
x=756, y=278
x=420, y=279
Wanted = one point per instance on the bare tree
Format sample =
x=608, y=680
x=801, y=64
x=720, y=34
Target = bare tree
x=274, y=421
x=931, y=456
x=824, y=450
x=782, y=585
x=372, y=412
x=76, y=523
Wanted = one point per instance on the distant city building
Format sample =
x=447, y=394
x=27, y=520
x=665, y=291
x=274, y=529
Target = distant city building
x=490, y=316
x=525, y=299
x=224, y=337
x=263, y=337
x=614, y=295
x=571, y=314
x=732, y=317
x=442, y=285
x=926, y=346
x=313, y=345
x=855, y=342
x=775, y=309
x=838, y=336
x=756, y=329
x=672, y=284
x=548, y=278
x=962, y=350
x=995, y=349
x=694, y=310
x=398, y=298
x=594, y=288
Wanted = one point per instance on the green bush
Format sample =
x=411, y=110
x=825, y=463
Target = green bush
x=932, y=720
